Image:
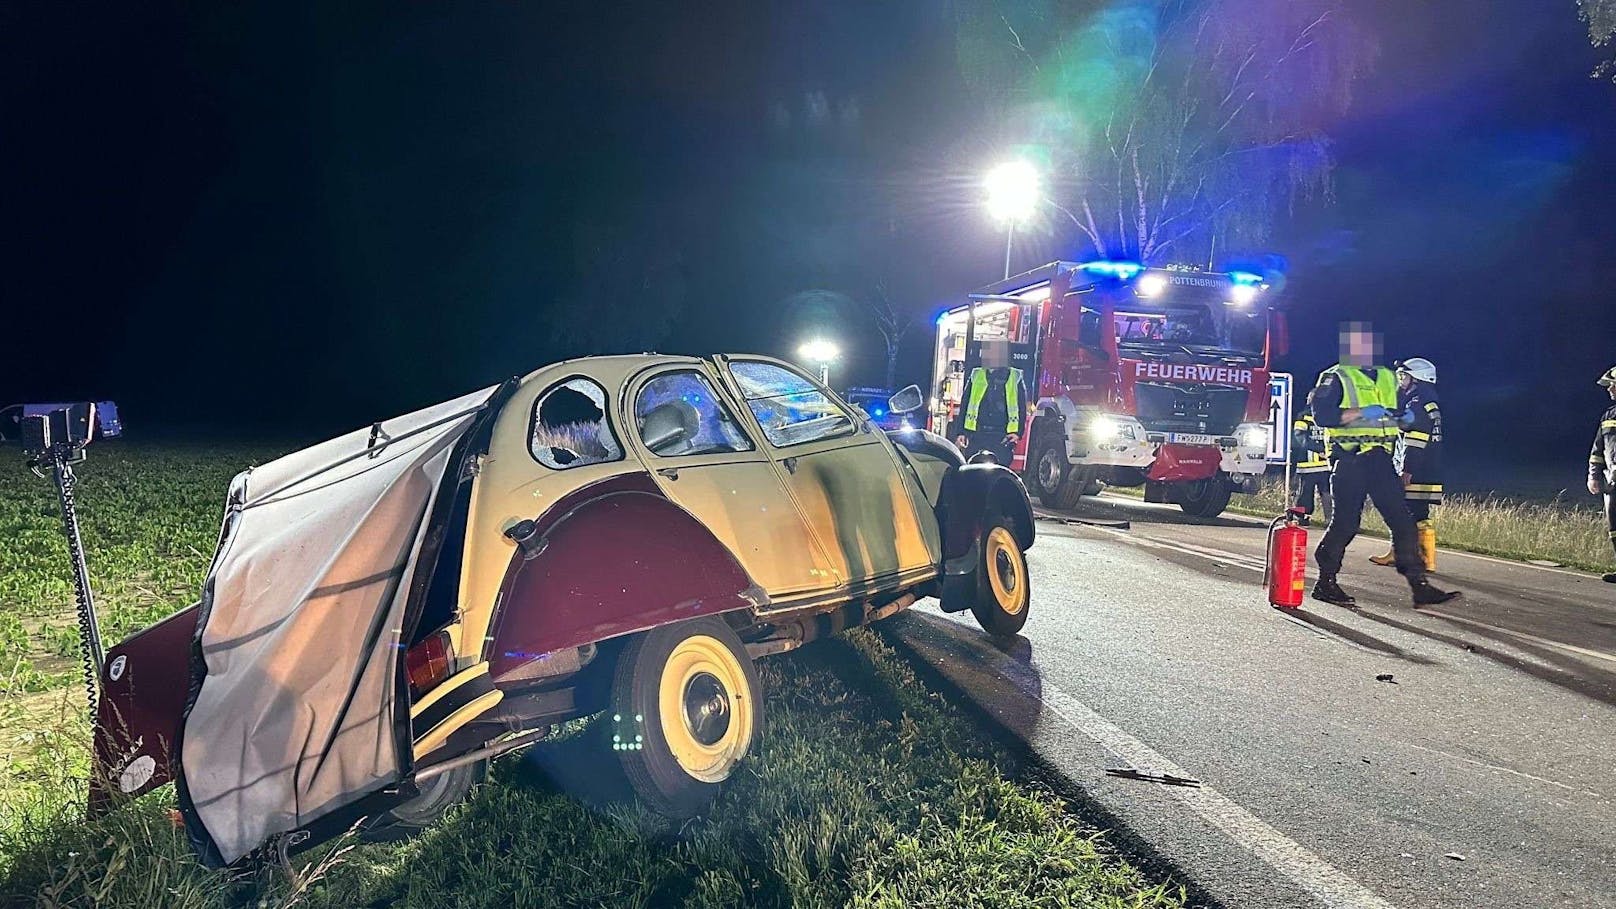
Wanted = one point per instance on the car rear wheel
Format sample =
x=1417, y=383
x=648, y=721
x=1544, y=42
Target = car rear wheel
x=438, y=795
x=686, y=707
x=1004, y=586
x=1205, y=498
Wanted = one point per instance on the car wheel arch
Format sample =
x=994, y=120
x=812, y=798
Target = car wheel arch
x=969, y=494
x=622, y=577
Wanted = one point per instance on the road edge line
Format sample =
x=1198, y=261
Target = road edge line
x=1293, y=861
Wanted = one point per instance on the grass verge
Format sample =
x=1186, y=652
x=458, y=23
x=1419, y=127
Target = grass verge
x=1560, y=530
x=867, y=788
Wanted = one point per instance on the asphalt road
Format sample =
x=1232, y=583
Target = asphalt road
x=1459, y=756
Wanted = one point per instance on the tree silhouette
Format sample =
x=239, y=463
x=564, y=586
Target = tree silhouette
x=1177, y=128
x=1600, y=16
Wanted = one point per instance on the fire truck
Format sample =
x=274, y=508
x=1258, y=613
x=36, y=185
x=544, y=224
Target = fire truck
x=1153, y=377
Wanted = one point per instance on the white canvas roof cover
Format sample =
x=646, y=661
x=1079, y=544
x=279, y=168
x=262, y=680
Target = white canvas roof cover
x=300, y=710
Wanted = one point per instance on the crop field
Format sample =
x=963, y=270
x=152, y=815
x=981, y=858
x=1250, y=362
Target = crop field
x=867, y=789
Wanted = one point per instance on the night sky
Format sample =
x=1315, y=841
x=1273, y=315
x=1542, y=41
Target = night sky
x=271, y=221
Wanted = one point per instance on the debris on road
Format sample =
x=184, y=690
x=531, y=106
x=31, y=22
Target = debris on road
x=1087, y=522
x=1385, y=677
x=1166, y=779
x=1455, y=856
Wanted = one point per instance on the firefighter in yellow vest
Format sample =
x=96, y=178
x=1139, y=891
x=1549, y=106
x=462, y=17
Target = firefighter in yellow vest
x=995, y=405
x=1602, y=461
x=1310, y=454
x=1419, y=453
x=1356, y=403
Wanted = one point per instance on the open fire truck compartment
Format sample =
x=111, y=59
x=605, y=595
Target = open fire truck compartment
x=1141, y=375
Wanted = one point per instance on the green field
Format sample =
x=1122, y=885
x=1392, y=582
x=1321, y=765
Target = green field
x=867, y=789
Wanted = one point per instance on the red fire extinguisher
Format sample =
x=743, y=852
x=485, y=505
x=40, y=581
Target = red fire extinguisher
x=1285, y=574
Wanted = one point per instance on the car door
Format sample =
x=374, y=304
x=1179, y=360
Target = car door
x=705, y=460
x=853, y=491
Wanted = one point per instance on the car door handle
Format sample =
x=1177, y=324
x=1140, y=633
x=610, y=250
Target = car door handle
x=790, y=464
x=671, y=473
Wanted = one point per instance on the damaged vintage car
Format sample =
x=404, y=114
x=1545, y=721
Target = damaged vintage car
x=389, y=610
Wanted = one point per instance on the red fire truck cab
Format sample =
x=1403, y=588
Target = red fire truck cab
x=1154, y=377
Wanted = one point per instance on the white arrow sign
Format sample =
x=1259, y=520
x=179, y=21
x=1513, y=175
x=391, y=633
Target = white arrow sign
x=1279, y=418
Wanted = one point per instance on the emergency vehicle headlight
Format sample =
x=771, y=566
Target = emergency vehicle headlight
x=1106, y=429
x=1254, y=437
x=1151, y=285
x=1242, y=294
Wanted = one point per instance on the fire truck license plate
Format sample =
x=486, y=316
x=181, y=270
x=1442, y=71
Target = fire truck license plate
x=1190, y=438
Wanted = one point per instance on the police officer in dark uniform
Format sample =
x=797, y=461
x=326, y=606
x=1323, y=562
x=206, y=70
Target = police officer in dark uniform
x=1355, y=401
x=1602, y=461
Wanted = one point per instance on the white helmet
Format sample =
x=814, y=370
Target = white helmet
x=1609, y=378
x=1420, y=368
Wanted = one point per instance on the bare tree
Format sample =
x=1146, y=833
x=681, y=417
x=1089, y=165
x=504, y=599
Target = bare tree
x=1600, y=16
x=1181, y=127
x=893, y=324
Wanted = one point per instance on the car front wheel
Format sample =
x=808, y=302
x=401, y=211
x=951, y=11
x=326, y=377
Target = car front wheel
x=686, y=707
x=1004, y=586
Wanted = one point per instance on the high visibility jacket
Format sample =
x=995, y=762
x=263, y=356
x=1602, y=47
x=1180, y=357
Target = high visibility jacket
x=1420, y=446
x=1602, y=460
x=1361, y=389
x=1310, y=449
x=978, y=389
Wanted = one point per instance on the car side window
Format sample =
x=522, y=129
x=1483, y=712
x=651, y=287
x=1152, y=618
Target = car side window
x=680, y=413
x=788, y=407
x=570, y=427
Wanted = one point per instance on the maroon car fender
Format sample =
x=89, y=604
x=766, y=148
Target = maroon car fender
x=610, y=560
x=144, y=685
x=970, y=494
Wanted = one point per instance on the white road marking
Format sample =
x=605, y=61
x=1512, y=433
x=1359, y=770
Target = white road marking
x=1442, y=550
x=1328, y=883
x=1568, y=648
x=1239, y=560
x=1520, y=773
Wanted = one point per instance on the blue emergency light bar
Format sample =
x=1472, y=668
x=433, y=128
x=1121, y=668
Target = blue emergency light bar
x=1122, y=271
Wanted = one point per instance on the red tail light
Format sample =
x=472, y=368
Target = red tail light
x=427, y=663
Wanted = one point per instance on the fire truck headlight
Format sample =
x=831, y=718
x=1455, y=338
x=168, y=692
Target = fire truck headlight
x=1151, y=285
x=1254, y=437
x=1242, y=294
x=1106, y=428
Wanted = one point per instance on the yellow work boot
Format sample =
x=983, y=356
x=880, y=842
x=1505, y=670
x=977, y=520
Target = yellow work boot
x=1390, y=558
x=1428, y=544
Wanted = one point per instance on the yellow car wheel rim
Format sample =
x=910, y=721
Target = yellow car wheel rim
x=706, y=708
x=1007, y=570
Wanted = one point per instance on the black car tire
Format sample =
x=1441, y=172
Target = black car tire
x=677, y=764
x=1205, y=498
x=1003, y=583
x=438, y=795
